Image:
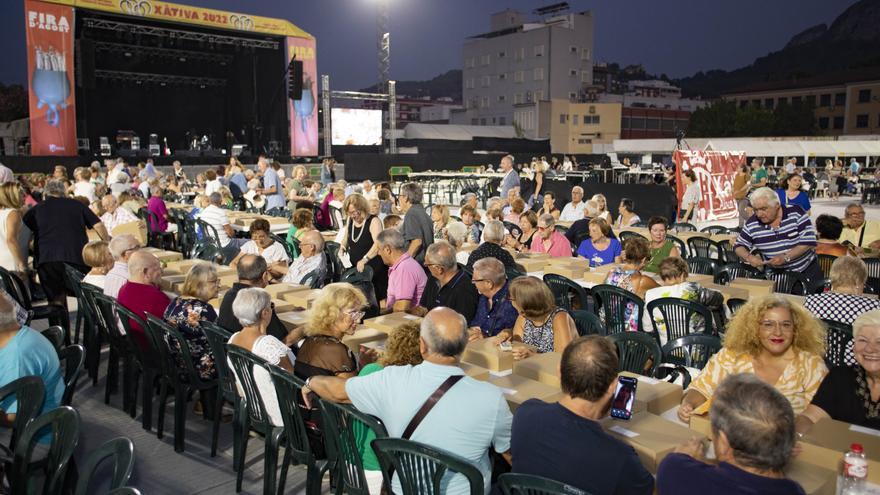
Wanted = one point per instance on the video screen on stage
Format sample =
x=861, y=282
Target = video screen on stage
x=356, y=126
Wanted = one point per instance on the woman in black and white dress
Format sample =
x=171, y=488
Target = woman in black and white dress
x=361, y=232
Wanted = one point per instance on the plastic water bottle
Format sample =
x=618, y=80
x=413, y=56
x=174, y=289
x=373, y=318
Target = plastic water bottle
x=855, y=471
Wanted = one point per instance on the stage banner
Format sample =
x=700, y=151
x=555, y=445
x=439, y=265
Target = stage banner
x=715, y=171
x=49, y=33
x=304, y=112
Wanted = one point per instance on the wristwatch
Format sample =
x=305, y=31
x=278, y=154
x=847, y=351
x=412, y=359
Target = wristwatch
x=308, y=381
x=787, y=258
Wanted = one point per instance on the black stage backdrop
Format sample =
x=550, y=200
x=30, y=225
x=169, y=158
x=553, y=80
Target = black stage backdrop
x=650, y=199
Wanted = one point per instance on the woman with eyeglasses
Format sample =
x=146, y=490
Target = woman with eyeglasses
x=362, y=230
x=780, y=342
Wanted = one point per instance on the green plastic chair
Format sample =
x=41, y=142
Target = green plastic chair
x=680, y=317
x=565, y=291
x=55, y=334
x=72, y=280
x=420, y=468
x=120, y=346
x=399, y=170
x=63, y=423
x=72, y=359
x=345, y=431
x=119, y=452
x=92, y=335
x=145, y=365
x=690, y=351
x=613, y=303
x=526, y=484
x=638, y=352
x=297, y=447
x=587, y=323
x=217, y=338
x=125, y=490
x=29, y=393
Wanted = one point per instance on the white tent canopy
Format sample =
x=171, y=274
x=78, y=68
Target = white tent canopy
x=806, y=148
x=457, y=132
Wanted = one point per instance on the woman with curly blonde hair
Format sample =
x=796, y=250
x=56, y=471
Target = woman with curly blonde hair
x=780, y=342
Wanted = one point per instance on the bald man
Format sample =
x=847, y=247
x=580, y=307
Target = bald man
x=114, y=215
x=141, y=294
x=396, y=393
x=311, y=259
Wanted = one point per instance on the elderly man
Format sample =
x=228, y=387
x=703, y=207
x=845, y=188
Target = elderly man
x=574, y=210
x=272, y=188
x=114, y=215
x=448, y=286
x=548, y=240
x=791, y=166
x=512, y=195
x=857, y=231
x=216, y=217
x=493, y=235
x=753, y=434
x=406, y=278
x=311, y=259
x=778, y=236
x=253, y=272
x=511, y=177
x=580, y=230
x=418, y=229
x=141, y=294
x=121, y=247
x=396, y=393
x=577, y=451
x=470, y=199
x=24, y=352
x=368, y=190
x=59, y=225
x=495, y=313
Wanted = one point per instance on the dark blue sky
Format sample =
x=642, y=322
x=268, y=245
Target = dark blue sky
x=678, y=37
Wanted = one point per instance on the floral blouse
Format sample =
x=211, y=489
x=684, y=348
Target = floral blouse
x=185, y=315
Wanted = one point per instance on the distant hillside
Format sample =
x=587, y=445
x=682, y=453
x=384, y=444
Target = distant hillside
x=852, y=41
x=445, y=85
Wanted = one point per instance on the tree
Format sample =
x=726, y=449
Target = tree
x=13, y=102
x=727, y=119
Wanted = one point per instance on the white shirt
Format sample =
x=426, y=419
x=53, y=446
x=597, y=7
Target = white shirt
x=212, y=186
x=96, y=280
x=691, y=195
x=217, y=218
x=115, y=279
x=86, y=190
x=117, y=218
x=301, y=267
x=573, y=212
x=790, y=168
x=144, y=188
x=274, y=253
x=272, y=350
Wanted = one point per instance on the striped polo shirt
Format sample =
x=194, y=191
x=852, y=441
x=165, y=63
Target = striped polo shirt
x=217, y=218
x=795, y=229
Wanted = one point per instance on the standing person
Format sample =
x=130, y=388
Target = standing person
x=759, y=173
x=13, y=233
x=690, y=201
x=157, y=206
x=741, y=186
x=361, y=235
x=297, y=192
x=511, y=177
x=418, y=229
x=272, y=188
x=791, y=166
x=59, y=225
x=791, y=194
x=237, y=180
x=540, y=169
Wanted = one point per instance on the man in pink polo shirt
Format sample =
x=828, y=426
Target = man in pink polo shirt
x=548, y=240
x=406, y=278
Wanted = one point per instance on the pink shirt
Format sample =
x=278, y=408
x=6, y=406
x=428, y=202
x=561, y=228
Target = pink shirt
x=559, y=245
x=157, y=206
x=406, y=281
x=143, y=299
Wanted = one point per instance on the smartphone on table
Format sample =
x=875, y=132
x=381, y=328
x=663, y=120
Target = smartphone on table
x=624, y=397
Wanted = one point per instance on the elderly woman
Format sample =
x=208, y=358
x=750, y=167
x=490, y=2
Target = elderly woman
x=362, y=230
x=549, y=205
x=626, y=214
x=493, y=236
x=628, y=276
x=262, y=244
x=540, y=324
x=517, y=206
x=660, y=247
x=495, y=314
x=253, y=310
x=191, y=307
x=780, y=342
x=13, y=233
x=851, y=393
x=456, y=235
x=96, y=254
x=601, y=248
x=528, y=224
x=471, y=219
x=301, y=221
x=845, y=301
x=440, y=218
x=156, y=205
x=828, y=230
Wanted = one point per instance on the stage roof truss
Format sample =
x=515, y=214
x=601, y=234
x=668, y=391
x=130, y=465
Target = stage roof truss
x=160, y=79
x=178, y=34
x=161, y=52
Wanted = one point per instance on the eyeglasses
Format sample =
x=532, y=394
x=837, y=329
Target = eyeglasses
x=355, y=315
x=429, y=265
x=475, y=280
x=856, y=214
x=770, y=325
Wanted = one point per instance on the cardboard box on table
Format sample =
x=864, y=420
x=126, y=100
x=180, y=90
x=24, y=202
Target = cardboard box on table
x=543, y=368
x=486, y=354
x=701, y=279
x=651, y=436
x=533, y=264
x=301, y=298
x=827, y=441
x=136, y=228
x=165, y=256
x=278, y=290
x=362, y=335
x=573, y=270
x=729, y=291
x=756, y=288
x=658, y=396
x=282, y=306
x=564, y=260
x=292, y=319
x=180, y=267
x=388, y=323
x=172, y=283
x=518, y=389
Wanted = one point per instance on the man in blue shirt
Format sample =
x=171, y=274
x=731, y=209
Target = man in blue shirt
x=272, y=189
x=564, y=441
x=495, y=313
x=396, y=393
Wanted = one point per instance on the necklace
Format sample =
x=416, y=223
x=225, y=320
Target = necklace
x=354, y=238
x=872, y=409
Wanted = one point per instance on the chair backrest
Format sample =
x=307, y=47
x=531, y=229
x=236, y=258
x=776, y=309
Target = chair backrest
x=29, y=393
x=705, y=248
x=108, y=321
x=119, y=452
x=208, y=231
x=715, y=229
x=680, y=317
x=838, y=344
x=638, y=352
x=702, y=266
x=126, y=317
x=734, y=303
x=618, y=307
x=732, y=271
x=288, y=389
x=587, y=323
x=420, y=468
x=825, y=262
x=527, y=484
x=345, y=431
x=727, y=251
x=73, y=359
x=125, y=490
x=565, y=291
x=206, y=250
x=334, y=266
x=72, y=280
x=336, y=217
x=682, y=247
x=692, y=351
x=791, y=282
x=313, y=279
x=243, y=362
x=283, y=242
x=168, y=340
x=684, y=227
x=55, y=334
x=217, y=337
x=64, y=423
x=352, y=275
x=16, y=288
x=628, y=234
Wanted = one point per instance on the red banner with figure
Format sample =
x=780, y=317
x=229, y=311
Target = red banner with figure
x=49, y=31
x=304, y=111
x=715, y=171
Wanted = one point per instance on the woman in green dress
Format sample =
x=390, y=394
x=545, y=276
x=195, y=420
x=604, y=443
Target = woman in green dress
x=660, y=247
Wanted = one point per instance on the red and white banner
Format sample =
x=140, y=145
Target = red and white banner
x=304, y=112
x=715, y=171
x=49, y=31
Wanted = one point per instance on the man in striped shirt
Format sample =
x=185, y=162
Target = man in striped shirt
x=777, y=236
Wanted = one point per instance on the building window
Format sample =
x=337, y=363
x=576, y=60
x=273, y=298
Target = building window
x=502, y=120
x=838, y=122
x=756, y=103
x=862, y=121
x=667, y=125
x=517, y=98
x=484, y=102
x=574, y=119
x=572, y=72
x=502, y=54
x=796, y=100
x=469, y=83
x=768, y=102
x=840, y=99
x=475, y=121
x=562, y=118
x=572, y=96
x=825, y=100
x=483, y=121
x=501, y=97
x=624, y=123
x=539, y=95
x=485, y=60
x=585, y=141
x=502, y=76
x=864, y=95
x=538, y=74
x=652, y=124
x=823, y=122
x=520, y=54
x=585, y=54
x=518, y=76
x=539, y=50
x=638, y=123
x=572, y=49
x=485, y=81
x=811, y=100
x=783, y=101
x=469, y=62
x=585, y=76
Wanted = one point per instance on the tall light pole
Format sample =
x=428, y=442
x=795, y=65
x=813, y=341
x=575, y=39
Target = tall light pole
x=383, y=45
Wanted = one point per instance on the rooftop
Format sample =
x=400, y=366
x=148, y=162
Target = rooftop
x=833, y=79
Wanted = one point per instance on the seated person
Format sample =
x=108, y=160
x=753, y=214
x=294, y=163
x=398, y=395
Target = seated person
x=141, y=294
x=495, y=313
x=851, y=393
x=549, y=240
x=628, y=277
x=517, y=206
x=448, y=285
x=215, y=216
x=845, y=301
x=661, y=246
x=301, y=221
x=753, y=436
x=828, y=230
x=96, y=254
x=311, y=259
x=674, y=273
x=780, y=342
x=860, y=232
x=540, y=324
x=406, y=278
x=578, y=231
x=574, y=210
x=187, y=311
x=549, y=205
x=391, y=221
x=601, y=248
x=470, y=219
x=626, y=214
x=493, y=236
x=456, y=235
x=262, y=244
x=528, y=224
